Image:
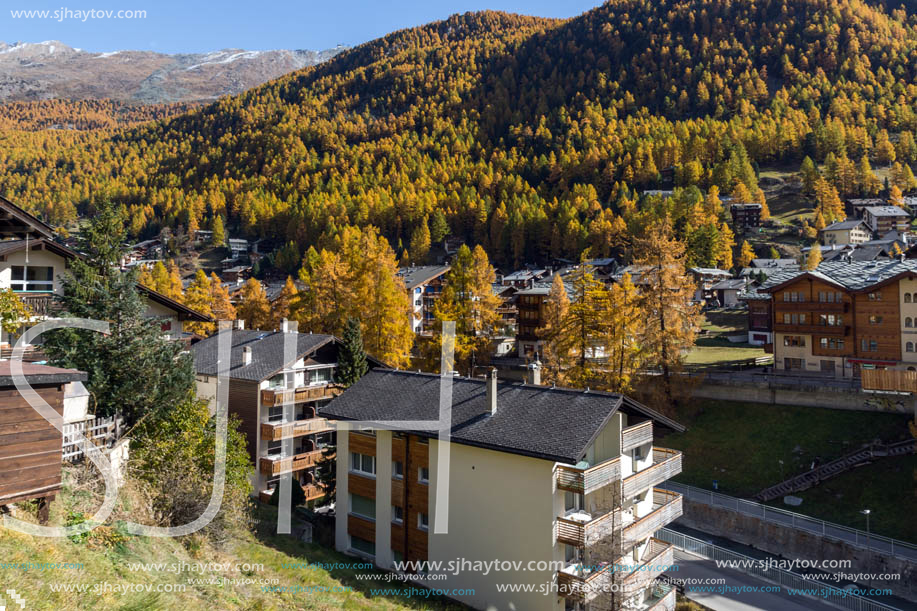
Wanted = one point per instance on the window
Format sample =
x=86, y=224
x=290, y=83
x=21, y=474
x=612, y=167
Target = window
x=397, y=469
x=909, y=347
x=874, y=296
x=397, y=514
x=32, y=278
x=423, y=475
x=423, y=521
x=869, y=345
x=362, y=545
x=323, y=375
x=794, y=340
x=362, y=506
x=362, y=464
x=907, y=298
x=875, y=320
x=908, y=322
x=824, y=343
x=830, y=320
x=274, y=448
x=822, y=296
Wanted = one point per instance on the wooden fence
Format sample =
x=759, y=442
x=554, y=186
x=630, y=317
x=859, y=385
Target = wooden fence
x=888, y=380
x=101, y=432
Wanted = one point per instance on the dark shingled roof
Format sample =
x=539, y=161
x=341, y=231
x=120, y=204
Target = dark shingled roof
x=414, y=276
x=853, y=275
x=267, y=353
x=40, y=374
x=555, y=424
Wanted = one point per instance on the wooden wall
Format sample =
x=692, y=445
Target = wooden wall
x=887, y=334
x=30, y=446
x=243, y=401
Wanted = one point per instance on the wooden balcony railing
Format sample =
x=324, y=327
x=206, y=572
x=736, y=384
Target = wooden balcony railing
x=41, y=304
x=270, y=398
x=590, y=479
x=584, y=587
x=666, y=464
x=275, y=432
x=811, y=306
x=275, y=466
x=667, y=507
x=312, y=492
x=657, y=556
x=637, y=435
x=584, y=534
x=817, y=329
x=662, y=598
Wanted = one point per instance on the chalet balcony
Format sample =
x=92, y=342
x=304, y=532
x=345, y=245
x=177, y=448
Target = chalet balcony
x=271, y=431
x=276, y=465
x=42, y=304
x=839, y=330
x=312, y=492
x=584, y=481
x=812, y=306
x=271, y=397
x=633, y=577
x=661, y=598
x=667, y=507
x=583, y=585
x=636, y=436
x=581, y=530
x=666, y=464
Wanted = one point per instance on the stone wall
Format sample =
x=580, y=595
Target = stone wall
x=793, y=544
x=806, y=396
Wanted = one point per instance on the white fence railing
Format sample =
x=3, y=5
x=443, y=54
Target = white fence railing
x=794, y=583
x=102, y=432
x=775, y=515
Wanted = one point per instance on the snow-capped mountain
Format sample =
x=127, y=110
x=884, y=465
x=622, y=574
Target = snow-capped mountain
x=51, y=69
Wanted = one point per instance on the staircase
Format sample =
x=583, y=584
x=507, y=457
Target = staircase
x=845, y=463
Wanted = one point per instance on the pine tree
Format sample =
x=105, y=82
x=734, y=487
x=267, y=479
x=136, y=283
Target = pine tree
x=746, y=254
x=218, y=239
x=134, y=370
x=221, y=306
x=670, y=319
x=198, y=297
x=254, y=308
x=352, y=362
x=813, y=259
x=420, y=243
x=809, y=174
x=622, y=345
x=283, y=305
x=174, y=287
x=439, y=228
x=724, y=247
x=556, y=306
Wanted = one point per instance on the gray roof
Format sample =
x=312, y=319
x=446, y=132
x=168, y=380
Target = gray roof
x=36, y=373
x=866, y=201
x=886, y=211
x=550, y=423
x=772, y=263
x=539, y=288
x=853, y=275
x=730, y=284
x=840, y=225
x=710, y=271
x=267, y=352
x=415, y=276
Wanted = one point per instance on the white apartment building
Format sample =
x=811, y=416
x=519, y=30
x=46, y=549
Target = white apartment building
x=562, y=481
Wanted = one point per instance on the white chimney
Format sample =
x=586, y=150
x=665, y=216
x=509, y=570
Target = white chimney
x=247, y=355
x=535, y=370
x=492, y=390
x=285, y=326
x=238, y=324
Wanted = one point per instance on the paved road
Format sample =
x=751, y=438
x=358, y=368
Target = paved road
x=696, y=567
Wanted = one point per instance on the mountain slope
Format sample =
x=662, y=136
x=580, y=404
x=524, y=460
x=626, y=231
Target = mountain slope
x=528, y=135
x=51, y=69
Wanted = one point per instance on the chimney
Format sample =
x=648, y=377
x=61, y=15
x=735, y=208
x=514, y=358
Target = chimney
x=492, y=391
x=285, y=326
x=535, y=373
x=238, y=324
x=247, y=355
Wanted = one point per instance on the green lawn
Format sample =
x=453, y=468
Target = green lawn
x=740, y=444
x=887, y=487
x=725, y=321
x=713, y=350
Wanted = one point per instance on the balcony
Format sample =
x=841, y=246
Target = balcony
x=276, y=431
x=636, y=576
x=666, y=464
x=636, y=436
x=580, y=529
x=41, y=304
x=812, y=306
x=839, y=330
x=277, y=465
x=660, y=598
x=579, y=584
x=280, y=396
x=584, y=481
x=312, y=492
x=667, y=507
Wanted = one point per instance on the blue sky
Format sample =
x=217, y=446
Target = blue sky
x=174, y=26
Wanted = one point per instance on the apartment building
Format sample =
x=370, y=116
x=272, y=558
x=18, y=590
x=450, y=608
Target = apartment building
x=424, y=284
x=563, y=481
x=746, y=216
x=882, y=219
x=851, y=231
x=261, y=382
x=845, y=316
x=529, y=318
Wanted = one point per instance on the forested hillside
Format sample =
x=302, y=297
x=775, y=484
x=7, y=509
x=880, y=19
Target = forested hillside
x=530, y=136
